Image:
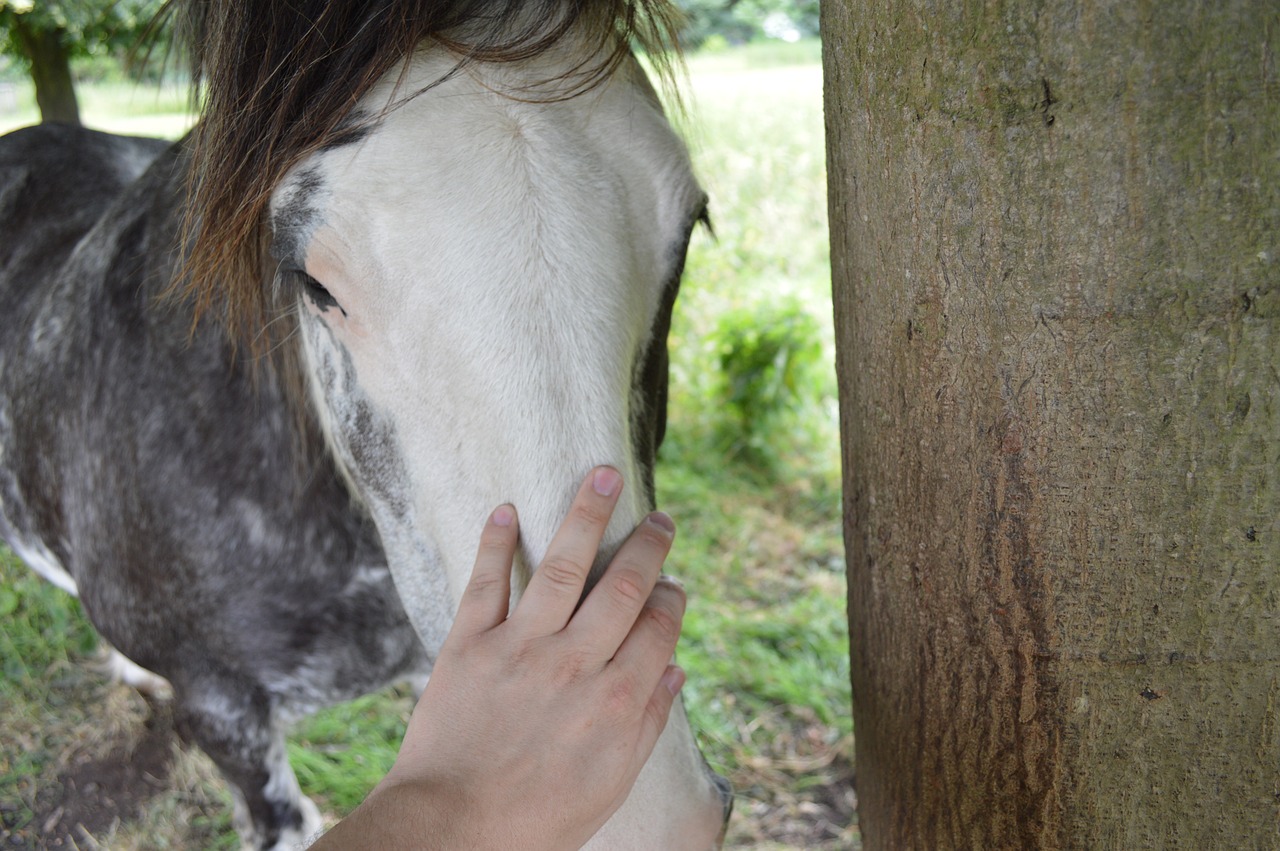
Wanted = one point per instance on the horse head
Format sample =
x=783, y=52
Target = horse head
x=482, y=262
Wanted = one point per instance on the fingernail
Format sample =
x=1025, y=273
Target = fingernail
x=663, y=521
x=673, y=678
x=606, y=481
x=670, y=580
x=503, y=515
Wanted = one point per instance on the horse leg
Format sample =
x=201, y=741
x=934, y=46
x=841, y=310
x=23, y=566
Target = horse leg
x=120, y=668
x=237, y=726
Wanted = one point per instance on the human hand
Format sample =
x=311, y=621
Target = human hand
x=533, y=727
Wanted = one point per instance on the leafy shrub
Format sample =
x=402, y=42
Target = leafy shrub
x=769, y=353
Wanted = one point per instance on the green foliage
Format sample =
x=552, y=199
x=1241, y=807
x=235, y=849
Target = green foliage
x=752, y=347
x=343, y=751
x=768, y=356
x=742, y=21
x=89, y=26
x=41, y=628
x=98, y=33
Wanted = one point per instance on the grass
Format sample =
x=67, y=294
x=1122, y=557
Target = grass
x=42, y=637
x=759, y=547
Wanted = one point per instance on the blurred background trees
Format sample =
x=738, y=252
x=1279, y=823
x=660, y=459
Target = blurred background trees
x=44, y=38
x=56, y=43
x=719, y=23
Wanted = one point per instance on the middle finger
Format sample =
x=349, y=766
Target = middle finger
x=553, y=593
x=607, y=615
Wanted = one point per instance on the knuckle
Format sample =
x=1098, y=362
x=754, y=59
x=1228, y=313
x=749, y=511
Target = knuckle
x=571, y=667
x=523, y=655
x=561, y=572
x=494, y=544
x=628, y=585
x=486, y=585
x=592, y=513
x=621, y=695
x=663, y=621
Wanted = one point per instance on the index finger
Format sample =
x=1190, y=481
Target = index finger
x=556, y=587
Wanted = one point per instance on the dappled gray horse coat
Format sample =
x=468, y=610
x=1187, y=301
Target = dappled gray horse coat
x=164, y=480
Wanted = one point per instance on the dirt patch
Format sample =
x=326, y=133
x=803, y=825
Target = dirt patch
x=96, y=791
x=818, y=817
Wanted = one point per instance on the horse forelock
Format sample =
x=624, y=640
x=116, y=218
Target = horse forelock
x=283, y=80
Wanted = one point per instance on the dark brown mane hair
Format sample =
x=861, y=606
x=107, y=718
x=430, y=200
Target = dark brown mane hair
x=279, y=77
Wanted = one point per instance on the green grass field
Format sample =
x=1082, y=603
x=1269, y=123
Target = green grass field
x=749, y=471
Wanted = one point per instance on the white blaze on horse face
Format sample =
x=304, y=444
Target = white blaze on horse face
x=497, y=267
x=492, y=270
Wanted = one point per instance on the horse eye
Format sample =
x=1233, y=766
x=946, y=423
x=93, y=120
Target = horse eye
x=315, y=291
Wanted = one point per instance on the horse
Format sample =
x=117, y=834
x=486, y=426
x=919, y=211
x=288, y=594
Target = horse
x=259, y=388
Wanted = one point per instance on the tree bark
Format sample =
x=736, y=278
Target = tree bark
x=1056, y=259
x=46, y=50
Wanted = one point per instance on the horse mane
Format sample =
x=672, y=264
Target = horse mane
x=279, y=79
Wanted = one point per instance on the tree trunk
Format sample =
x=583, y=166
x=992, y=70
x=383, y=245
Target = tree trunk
x=1056, y=251
x=50, y=60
